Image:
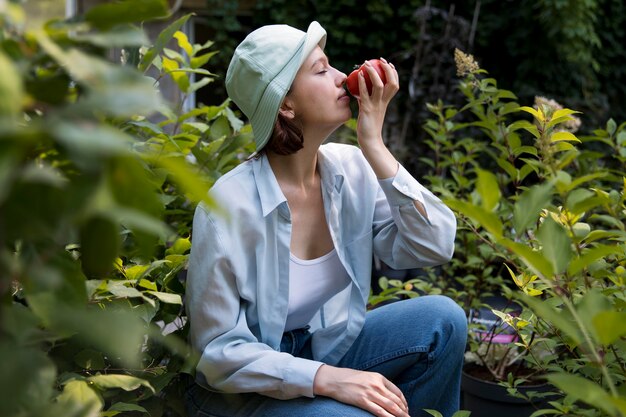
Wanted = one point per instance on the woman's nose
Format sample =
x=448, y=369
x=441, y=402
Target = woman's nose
x=341, y=77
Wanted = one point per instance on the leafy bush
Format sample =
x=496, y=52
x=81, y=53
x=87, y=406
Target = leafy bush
x=542, y=222
x=98, y=182
x=548, y=208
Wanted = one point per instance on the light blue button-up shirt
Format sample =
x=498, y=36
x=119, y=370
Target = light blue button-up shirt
x=238, y=276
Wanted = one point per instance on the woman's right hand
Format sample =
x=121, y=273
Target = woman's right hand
x=367, y=390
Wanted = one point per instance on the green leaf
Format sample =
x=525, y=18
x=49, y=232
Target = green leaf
x=120, y=37
x=104, y=16
x=127, y=407
x=125, y=382
x=556, y=244
x=192, y=184
x=27, y=379
x=167, y=297
x=78, y=394
x=90, y=138
x=556, y=318
x=488, y=188
x=533, y=259
x=183, y=42
x=180, y=247
x=583, y=390
x=483, y=218
x=609, y=326
x=179, y=77
x=537, y=114
x=592, y=304
x=590, y=256
x=11, y=89
x=563, y=136
x=611, y=126
x=200, y=60
x=433, y=413
x=529, y=205
x=162, y=40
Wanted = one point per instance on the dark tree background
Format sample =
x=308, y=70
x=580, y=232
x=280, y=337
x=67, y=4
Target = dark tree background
x=568, y=50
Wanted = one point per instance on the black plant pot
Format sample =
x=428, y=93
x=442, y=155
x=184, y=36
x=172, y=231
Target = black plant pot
x=488, y=399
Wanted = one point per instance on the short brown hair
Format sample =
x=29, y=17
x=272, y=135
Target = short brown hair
x=287, y=137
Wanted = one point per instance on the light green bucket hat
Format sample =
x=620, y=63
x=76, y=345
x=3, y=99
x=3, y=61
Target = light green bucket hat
x=262, y=70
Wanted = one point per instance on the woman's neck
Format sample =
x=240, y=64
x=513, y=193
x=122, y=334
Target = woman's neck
x=297, y=170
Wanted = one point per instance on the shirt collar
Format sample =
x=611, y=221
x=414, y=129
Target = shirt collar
x=330, y=171
x=267, y=186
x=269, y=191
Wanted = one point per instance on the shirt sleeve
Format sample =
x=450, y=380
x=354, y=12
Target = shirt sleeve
x=232, y=359
x=403, y=238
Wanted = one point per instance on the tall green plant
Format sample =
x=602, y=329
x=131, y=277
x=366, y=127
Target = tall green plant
x=98, y=182
x=551, y=209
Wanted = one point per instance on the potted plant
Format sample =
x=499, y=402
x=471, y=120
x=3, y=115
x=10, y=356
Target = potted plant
x=548, y=207
x=541, y=223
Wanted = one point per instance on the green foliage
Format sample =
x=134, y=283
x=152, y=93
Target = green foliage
x=98, y=182
x=548, y=208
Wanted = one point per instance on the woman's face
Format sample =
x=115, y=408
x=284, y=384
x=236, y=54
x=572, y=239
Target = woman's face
x=317, y=97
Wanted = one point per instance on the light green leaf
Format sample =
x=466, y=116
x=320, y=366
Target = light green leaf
x=78, y=394
x=91, y=138
x=583, y=390
x=135, y=272
x=192, y=184
x=120, y=290
x=529, y=205
x=556, y=318
x=144, y=283
x=433, y=413
x=609, y=326
x=161, y=41
x=11, y=89
x=488, y=188
x=556, y=244
x=590, y=256
x=592, y=304
x=483, y=218
x=537, y=114
x=166, y=297
x=198, y=61
x=563, y=136
x=536, y=261
x=125, y=382
x=180, y=247
x=611, y=126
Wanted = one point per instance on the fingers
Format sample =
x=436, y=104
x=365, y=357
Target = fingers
x=402, y=402
x=380, y=90
x=391, y=405
x=390, y=72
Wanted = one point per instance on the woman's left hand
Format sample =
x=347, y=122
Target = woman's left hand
x=372, y=109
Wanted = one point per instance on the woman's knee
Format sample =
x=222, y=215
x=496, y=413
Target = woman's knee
x=448, y=315
x=453, y=320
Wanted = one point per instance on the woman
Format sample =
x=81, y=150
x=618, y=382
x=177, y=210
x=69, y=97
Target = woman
x=277, y=287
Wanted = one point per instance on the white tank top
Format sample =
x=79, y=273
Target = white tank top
x=311, y=283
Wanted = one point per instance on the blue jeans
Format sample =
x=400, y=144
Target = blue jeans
x=418, y=344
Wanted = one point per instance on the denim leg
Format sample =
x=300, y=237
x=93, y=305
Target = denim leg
x=201, y=402
x=418, y=344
